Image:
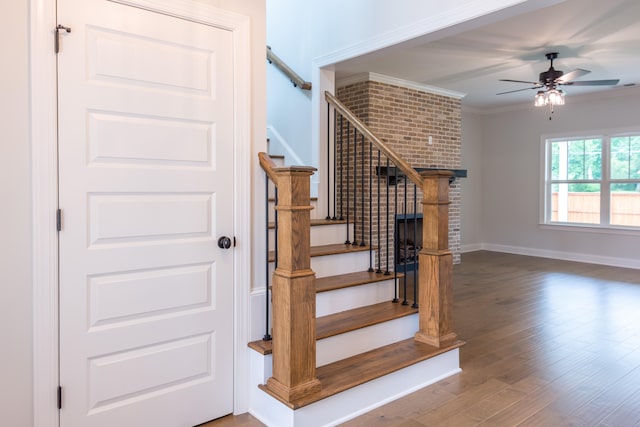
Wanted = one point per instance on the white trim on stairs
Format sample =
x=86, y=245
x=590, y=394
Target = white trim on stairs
x=289, y=153
x=351, y=403
x=291, y=157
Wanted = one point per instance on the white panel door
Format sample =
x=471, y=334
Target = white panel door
x=146, y=188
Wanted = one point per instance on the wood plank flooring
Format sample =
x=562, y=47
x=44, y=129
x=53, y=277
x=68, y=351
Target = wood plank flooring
x=549, y=343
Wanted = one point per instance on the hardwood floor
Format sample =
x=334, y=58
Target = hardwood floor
x=549, y=343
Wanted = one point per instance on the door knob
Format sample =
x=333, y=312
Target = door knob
x=224, y=242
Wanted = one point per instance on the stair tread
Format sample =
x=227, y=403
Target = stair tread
x=362, y=317
x=349, y=320
x=331, y=283
x=340, y=248
x=317, y=222
x=356, y=370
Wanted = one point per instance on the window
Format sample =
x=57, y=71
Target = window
x=593, y=181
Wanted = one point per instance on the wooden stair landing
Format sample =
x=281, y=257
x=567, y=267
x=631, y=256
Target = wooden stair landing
x=356, y=370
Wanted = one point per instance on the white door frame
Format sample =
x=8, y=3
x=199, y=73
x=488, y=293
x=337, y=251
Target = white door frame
x=44, y=175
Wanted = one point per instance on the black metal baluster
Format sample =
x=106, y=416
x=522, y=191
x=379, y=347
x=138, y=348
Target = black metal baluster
x=395, y=233
x=379, y=270
x=371, y=208
x=335, y=166
x=404, y=247
x=348, y=177
x=328, y=173
x=416, y=264
x=267, y=336
x=355, y=187
x=386, y=271
x=362, y=156
x=275, y=262
x=342, y=174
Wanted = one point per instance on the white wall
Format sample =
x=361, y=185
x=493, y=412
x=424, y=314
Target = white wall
x=511, y=180
x=471, y=187
x=15, y=216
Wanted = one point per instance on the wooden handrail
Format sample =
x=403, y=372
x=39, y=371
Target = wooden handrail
x=402, y=164
x=268, y=165
x=293, y=76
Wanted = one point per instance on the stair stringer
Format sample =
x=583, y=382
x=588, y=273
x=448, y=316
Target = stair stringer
x=351, y=403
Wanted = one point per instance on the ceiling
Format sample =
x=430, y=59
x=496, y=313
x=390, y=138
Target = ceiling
x=600, y=36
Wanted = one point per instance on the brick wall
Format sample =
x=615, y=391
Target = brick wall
x=404, y=119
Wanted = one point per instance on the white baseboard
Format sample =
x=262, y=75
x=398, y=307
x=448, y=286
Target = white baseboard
x=471, y=248
x=565, y=256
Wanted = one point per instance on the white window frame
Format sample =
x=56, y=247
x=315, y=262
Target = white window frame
x=605, y=181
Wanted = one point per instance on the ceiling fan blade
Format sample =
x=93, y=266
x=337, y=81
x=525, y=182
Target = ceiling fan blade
x=611, y=82
x=519, y=90
x=521, y=81
x=572, y=75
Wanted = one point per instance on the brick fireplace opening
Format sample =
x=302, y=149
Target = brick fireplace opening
x=408, y=241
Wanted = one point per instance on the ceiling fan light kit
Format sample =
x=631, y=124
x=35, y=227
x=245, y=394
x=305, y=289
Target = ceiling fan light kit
x=548, y=81
x=550, y=97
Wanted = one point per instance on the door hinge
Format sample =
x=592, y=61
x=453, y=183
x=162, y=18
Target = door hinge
x=59, y=219
x=56, y=40
x=59, y=397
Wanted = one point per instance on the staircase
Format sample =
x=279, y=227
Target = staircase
x=365, y=349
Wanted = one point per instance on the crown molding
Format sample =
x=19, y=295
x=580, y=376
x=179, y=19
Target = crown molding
x=407, y=84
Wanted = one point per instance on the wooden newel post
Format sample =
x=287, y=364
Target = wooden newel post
x=293, y=291
x=436, y=263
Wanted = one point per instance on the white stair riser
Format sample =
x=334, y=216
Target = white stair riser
x=349, y=344
x=338, y=300
x=320, y=235
x=351, y=403
x=330, y=265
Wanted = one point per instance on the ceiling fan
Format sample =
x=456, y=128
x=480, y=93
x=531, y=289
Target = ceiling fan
x=549, y=81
